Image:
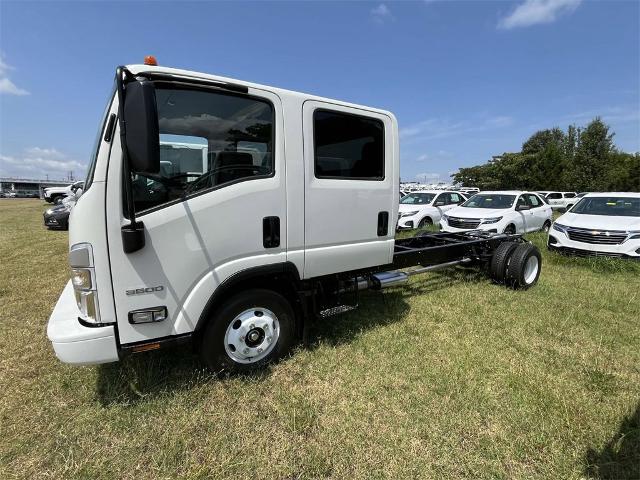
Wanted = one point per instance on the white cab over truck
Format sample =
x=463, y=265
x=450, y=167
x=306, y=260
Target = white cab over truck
x=228, y=214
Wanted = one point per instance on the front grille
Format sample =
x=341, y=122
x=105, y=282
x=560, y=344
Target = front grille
x=468, y=223
x=600, y=237
x=586, y=253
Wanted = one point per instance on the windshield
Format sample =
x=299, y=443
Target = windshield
x=487, y=200
x=418, y=199
x=96, y=143
x=610, y=206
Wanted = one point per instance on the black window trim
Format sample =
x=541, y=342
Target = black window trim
x=315, y=157
x=209, y=88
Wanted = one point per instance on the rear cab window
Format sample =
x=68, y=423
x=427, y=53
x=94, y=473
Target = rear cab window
x=348, y=146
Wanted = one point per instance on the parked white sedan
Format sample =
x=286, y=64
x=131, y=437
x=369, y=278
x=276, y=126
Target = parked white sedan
x=420, y=209
x=500, y=212
x=600, y=224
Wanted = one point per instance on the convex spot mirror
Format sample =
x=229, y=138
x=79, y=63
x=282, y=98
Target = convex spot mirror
x=141, y=127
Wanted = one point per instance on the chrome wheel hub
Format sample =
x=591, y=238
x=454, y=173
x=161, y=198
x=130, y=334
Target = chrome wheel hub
x=531, y=269
x=252, y=335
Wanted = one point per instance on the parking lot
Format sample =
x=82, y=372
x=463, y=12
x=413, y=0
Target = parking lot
x=451, y=377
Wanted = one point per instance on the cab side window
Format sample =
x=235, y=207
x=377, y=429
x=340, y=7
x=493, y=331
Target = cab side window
x=347, y=146
x=554, y=196
x=208, y=139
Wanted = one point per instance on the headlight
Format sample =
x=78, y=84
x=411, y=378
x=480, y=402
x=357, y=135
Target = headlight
x=408, y=214
x=491, y=220
x=81, y=278
x=633, y=234
x=83, y=281
x=561, y=228
x=49, y=211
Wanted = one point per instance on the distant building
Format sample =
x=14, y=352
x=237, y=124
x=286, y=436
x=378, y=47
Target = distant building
x=29, y=185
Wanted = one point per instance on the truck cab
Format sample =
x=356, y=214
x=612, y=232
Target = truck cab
x=201, y=187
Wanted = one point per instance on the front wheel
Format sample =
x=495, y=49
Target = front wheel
x=546, y=227
x=57, y=200
x=510, y=229
x=247, y=332
x=425, y=222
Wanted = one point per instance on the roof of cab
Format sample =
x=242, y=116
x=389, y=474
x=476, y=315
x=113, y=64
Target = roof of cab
x=139, y=69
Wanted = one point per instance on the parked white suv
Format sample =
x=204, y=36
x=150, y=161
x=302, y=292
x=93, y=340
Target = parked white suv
x=600, y=224
x=420, y=209
x=500, y=212
x=56, y=194
x=560, y=200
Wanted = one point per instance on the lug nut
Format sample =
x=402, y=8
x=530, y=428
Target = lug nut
x=259, y=350
x=269, y=339
x=246, y=351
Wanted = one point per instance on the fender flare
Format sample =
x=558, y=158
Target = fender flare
x=285, y=269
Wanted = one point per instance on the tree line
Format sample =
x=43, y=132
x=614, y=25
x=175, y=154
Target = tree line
x=580, y=159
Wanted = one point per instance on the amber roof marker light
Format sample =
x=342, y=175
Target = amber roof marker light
x=150, y=60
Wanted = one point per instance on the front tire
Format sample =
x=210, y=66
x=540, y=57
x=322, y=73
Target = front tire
x=57, y=200
x=546, y=227
x=510, y=229
x=425, y=222
x=248, y=331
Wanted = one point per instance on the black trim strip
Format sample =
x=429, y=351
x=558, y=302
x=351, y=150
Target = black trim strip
x=171, y=77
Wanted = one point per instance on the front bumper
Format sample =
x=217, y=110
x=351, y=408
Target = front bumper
x=560, y=242
x=407, y=223
x=75, y=343
x=489, y=227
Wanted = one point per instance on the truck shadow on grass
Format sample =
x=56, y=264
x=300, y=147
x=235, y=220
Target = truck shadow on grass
x=141, y=378
x=619, y=459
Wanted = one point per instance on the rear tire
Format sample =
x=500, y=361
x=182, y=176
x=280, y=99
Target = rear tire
x=248, y=331
x=524, y=267
x=500, y=261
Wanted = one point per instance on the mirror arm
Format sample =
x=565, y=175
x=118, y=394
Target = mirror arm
x=132, y=234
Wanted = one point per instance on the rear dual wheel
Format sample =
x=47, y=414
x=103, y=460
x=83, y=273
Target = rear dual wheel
x=516, y=264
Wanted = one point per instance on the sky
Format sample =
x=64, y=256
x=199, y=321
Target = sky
x=466, y=80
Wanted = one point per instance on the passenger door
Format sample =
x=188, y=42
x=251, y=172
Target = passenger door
x=351, y=188
x=539, y=212
x=525, y=216
x=203, y=220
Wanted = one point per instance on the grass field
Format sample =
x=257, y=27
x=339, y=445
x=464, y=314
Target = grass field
x=452, y=377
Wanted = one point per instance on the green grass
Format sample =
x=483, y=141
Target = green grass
x=452, y=377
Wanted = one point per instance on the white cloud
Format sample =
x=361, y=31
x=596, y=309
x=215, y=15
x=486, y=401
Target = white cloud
x=533, y=12
x=36, y=162
x=381, y=14
x=434, y=128
x=6, y=85
x=428, y=177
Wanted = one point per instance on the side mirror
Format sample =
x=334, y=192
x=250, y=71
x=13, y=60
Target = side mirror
x=438, y=204
x=141, y=127
x=523, y=207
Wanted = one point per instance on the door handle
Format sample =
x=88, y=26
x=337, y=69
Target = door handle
x=383, y=224
x=271, y=232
